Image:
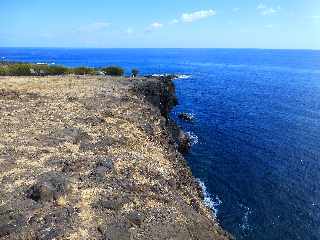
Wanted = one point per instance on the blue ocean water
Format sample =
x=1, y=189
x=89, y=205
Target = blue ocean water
x=256, y=129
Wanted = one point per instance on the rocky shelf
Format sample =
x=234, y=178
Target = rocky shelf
x=96, y=158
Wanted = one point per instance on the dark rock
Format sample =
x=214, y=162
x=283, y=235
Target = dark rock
x=116, y=231
x=75, y=135
x=111, y=204
x=93, y=120
x=100, y=173
x=195, y=205
x=186, y=117
x=161, y=94
x=101, y=145
x=172, y=183
x=136, y=218
x=10, y=222
x=72, y=99
x=49, y=234
x=114, y=204
x=184, y=142
x=50, y=187
x=156, y=188
x=105, y=162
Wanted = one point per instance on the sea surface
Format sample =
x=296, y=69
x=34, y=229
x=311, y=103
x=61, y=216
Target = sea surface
x=256, y=133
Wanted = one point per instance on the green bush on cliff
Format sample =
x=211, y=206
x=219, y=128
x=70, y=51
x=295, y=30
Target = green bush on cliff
x=19, y=69
x=57, y=70
x=113, y=71
x=83, y=71
x=3, y=70
x=40, y=70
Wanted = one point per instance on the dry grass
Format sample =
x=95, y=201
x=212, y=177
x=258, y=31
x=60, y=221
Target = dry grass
x=100, y=112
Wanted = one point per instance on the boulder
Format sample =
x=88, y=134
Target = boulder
x=49, y=188
x=186, y=117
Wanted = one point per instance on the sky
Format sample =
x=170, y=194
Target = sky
x=275, y=24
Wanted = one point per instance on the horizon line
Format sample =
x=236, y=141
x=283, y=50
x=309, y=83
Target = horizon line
x=234, y=48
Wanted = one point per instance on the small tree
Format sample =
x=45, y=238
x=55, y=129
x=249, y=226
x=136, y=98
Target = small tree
x=113, y=71
x=134, y=72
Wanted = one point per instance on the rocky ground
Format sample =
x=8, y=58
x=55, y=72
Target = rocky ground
x=95, y=158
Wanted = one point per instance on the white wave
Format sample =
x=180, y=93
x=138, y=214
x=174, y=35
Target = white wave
x=178, y=76
x=211, y=202
x=183, y=76
x=245, y=226
x=193, y=138
x=159, y=75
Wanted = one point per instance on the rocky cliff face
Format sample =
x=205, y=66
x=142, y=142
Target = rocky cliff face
x=95, y=158
x=160, y=92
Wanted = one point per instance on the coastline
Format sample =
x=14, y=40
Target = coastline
x=96, y=158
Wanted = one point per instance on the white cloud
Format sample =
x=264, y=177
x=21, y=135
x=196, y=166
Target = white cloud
x=174, y=21
x=94, y=27
x=154, y=26
x=198, y=15
x=265, y=10
x=129, y=31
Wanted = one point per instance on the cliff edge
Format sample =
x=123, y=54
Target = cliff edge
x=95, y=158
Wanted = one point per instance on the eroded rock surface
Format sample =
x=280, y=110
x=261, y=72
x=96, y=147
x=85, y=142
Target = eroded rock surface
x=95, y=158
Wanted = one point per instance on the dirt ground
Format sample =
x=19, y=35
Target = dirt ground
x=92, y=158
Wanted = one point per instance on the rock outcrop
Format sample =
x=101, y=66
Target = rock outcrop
x=95, y=158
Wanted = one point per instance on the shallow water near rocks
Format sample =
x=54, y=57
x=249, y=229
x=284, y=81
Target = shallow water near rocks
x=257, y=125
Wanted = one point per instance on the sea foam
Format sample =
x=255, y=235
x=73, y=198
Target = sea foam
x=211, y=202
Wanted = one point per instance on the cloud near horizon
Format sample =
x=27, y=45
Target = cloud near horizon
x=265, y=10
x=154, y=26
x=198, y=15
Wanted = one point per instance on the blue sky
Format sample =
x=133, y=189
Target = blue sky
x=289, y=24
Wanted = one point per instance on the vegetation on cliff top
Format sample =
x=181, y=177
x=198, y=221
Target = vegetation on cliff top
x=30, y=69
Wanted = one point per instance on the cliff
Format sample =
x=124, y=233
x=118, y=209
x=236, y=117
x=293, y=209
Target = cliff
x=95, y=158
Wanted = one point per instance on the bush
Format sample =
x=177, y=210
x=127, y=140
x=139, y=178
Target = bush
x=40, y=70
x=82, y=71
x=113, y=71
x=134, y=72
x=19, y=70
x=57, y=70
x=3, y=70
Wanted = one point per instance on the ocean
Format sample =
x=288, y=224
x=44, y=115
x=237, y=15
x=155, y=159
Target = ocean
x=256, y=129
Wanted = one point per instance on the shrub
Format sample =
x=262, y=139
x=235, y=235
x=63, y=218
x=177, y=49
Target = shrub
x=134, y=72
x=83, y=71
x=57, y=70
x=19, y=70
x=113, y=71
x=3, y=70
x=40, y=70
